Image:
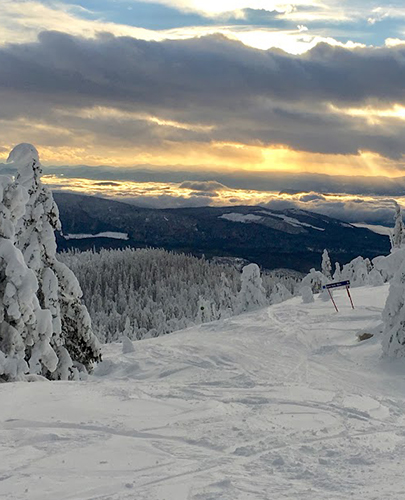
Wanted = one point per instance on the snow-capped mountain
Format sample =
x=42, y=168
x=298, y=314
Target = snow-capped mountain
x=290, y=238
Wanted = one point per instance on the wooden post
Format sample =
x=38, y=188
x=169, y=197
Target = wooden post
x=350, y=297
x=332, y=299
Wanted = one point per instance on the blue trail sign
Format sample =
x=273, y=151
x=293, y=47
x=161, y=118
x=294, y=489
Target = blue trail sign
x=338, y=284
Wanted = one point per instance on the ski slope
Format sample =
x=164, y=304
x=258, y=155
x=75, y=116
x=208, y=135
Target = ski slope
x=281, y=403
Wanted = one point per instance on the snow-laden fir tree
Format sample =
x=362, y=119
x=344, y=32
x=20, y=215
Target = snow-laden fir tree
x=388, y=265
x=337, y=275
x=307, y=295
x=394, y=316
x=205, y=311
x=252, y=295
x=280, y=294
x=375, y=278
x=127, y=345
x=324, y=295
x=315, y=280
x=326, y=265
x=226, y=298
x=397, y=236
x=59, y=291
x=357, y=271
x=25, y=329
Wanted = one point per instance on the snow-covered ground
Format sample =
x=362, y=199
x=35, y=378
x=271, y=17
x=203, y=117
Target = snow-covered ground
x=279, y=403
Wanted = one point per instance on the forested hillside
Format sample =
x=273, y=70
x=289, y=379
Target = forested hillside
x=150, y=292
x=293, y=239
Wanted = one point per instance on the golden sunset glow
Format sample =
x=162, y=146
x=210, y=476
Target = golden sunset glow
x=373, y=115
x=212, y=89
x=226, y=157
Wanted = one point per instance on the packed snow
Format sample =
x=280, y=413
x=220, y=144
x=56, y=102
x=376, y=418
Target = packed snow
x=105, y=234
x=281, y=402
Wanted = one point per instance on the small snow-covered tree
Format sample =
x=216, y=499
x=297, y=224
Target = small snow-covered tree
x=280, y=294
x=59, y=291
x=393, y=343
x=127, y=345
x=25, y=329
x=205, y=312
x=398, y=234
x=315, y=280
x=324, y=295
x=356, y=271
x=326, y=265
x=338, y=273
x=375, y=278
x=252, y=294
x=388, y=265
x=128, y=330
x=226, y=298
x=307, y=295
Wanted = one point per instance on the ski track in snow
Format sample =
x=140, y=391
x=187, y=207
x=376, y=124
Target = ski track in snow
x=280, y=403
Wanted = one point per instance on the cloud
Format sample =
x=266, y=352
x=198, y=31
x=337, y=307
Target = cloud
x=205, y=186
x=309, y=197
x=119, y=92
x=373, y=209
x=23, y=20
x=305, y=186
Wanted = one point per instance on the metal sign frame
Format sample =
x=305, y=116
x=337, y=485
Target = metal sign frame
x=339, y=284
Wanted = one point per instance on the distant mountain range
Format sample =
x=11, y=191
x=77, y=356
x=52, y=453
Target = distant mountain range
x=291, y=238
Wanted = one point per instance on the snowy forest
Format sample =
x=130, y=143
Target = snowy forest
x=146, y=293
x=57, y=309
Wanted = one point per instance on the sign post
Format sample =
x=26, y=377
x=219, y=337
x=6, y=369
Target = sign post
x=339, y=284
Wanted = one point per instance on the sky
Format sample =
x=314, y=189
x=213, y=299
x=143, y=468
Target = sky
x=258, y=95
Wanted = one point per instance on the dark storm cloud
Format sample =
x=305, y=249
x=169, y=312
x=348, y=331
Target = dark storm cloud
x=209, y=68
x=247, y=95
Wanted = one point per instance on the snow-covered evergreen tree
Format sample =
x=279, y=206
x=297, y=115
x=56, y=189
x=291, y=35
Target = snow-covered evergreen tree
x=326, y=265
x=375, y=278
x=127, y=346
x=324, y=295
x=205, y=312
x=307, y=295
x=252, y=294
x=25, y=329
x=337, y=275
x=357, y=271
x=315, y=280
x=388, y=265
x=394, y=316
x=280, y=294
x=226, y=297
x=398, y=235
x=59, y=291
